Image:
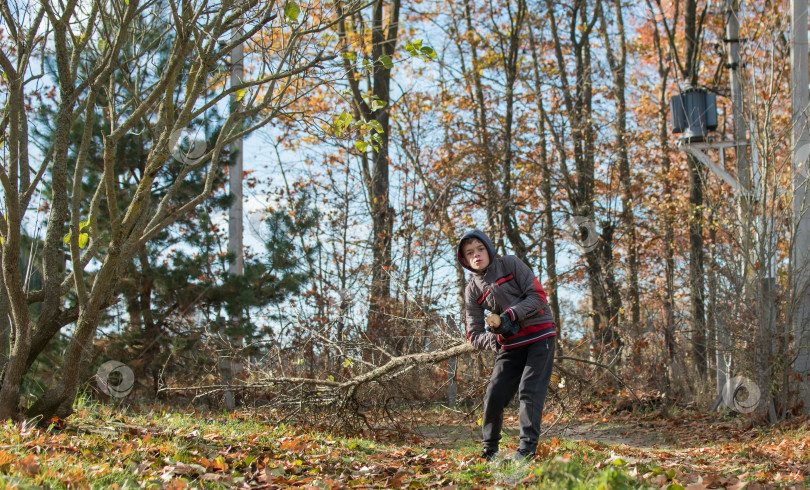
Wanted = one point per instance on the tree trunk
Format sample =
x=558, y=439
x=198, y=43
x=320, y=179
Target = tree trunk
x=606, y=298
x=384, y=34
x=548, y=229
x=690, y=71
x=482, y=132
x=58, y=401
x=711, y=316
x=5, y=326
x=383, y=43
x=549, y=238
x=668, y=295
x=616, y=50
x=578, y=103
x=688, y=64
x=510, y=67
x=696, y=276
x=21, y=324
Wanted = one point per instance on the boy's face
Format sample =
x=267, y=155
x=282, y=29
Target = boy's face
x=476, y=255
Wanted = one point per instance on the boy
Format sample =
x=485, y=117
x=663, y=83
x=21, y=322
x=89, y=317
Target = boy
x=524, y=339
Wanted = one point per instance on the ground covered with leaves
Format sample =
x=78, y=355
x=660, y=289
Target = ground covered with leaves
x=101, y=447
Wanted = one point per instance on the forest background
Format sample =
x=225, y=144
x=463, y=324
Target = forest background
x=386, y=130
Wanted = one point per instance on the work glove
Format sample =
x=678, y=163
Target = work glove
x=505, y=328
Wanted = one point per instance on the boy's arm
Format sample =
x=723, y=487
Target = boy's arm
x=479, y=338
x=534, y=297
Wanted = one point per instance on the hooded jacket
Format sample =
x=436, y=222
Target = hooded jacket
x=506, y=285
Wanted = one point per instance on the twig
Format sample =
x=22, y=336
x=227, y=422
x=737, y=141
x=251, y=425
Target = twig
x=607, y=368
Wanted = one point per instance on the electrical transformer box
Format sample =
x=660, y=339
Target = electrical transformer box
x=694, y=113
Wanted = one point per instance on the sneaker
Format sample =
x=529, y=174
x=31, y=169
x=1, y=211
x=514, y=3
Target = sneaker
x=522, y=456
x=489, y=454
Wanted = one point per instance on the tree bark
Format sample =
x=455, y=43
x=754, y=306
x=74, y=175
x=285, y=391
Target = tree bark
x=5, y=325
x=58, y=401
x=696, y=275
x=16, y=184
x=711, y=316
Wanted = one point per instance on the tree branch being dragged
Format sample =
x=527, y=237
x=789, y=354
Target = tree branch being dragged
x=395, y=367
x=391, y=369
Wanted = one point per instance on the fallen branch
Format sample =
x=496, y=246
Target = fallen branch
x=268, y=383
x=394, y=364
x=351, y=384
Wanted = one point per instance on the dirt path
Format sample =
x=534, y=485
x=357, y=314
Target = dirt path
x=635, y=436
x=607, y=433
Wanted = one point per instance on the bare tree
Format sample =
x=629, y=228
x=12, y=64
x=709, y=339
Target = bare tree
x=668, y=295
x=688, y=64
x=576, y=91
x=549, y=239
x=616, y=53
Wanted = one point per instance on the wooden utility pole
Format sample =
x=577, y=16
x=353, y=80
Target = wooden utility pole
x=235, y=251
x=741, y=154
x=745, y=194
x=800, y=144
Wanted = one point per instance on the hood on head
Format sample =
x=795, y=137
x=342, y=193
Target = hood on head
x=480, y=236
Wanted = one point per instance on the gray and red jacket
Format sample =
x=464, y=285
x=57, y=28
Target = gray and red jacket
x=506, y=285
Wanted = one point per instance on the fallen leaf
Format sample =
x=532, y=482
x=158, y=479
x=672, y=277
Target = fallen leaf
x=695, y=486
x=177, y=484
x=29, y=465
x=6, y=458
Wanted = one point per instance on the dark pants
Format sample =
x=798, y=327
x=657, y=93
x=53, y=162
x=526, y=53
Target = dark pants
x=526, y=371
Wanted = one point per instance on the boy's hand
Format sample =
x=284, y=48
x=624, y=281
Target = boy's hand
x=502, y=325
x=508, y=327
